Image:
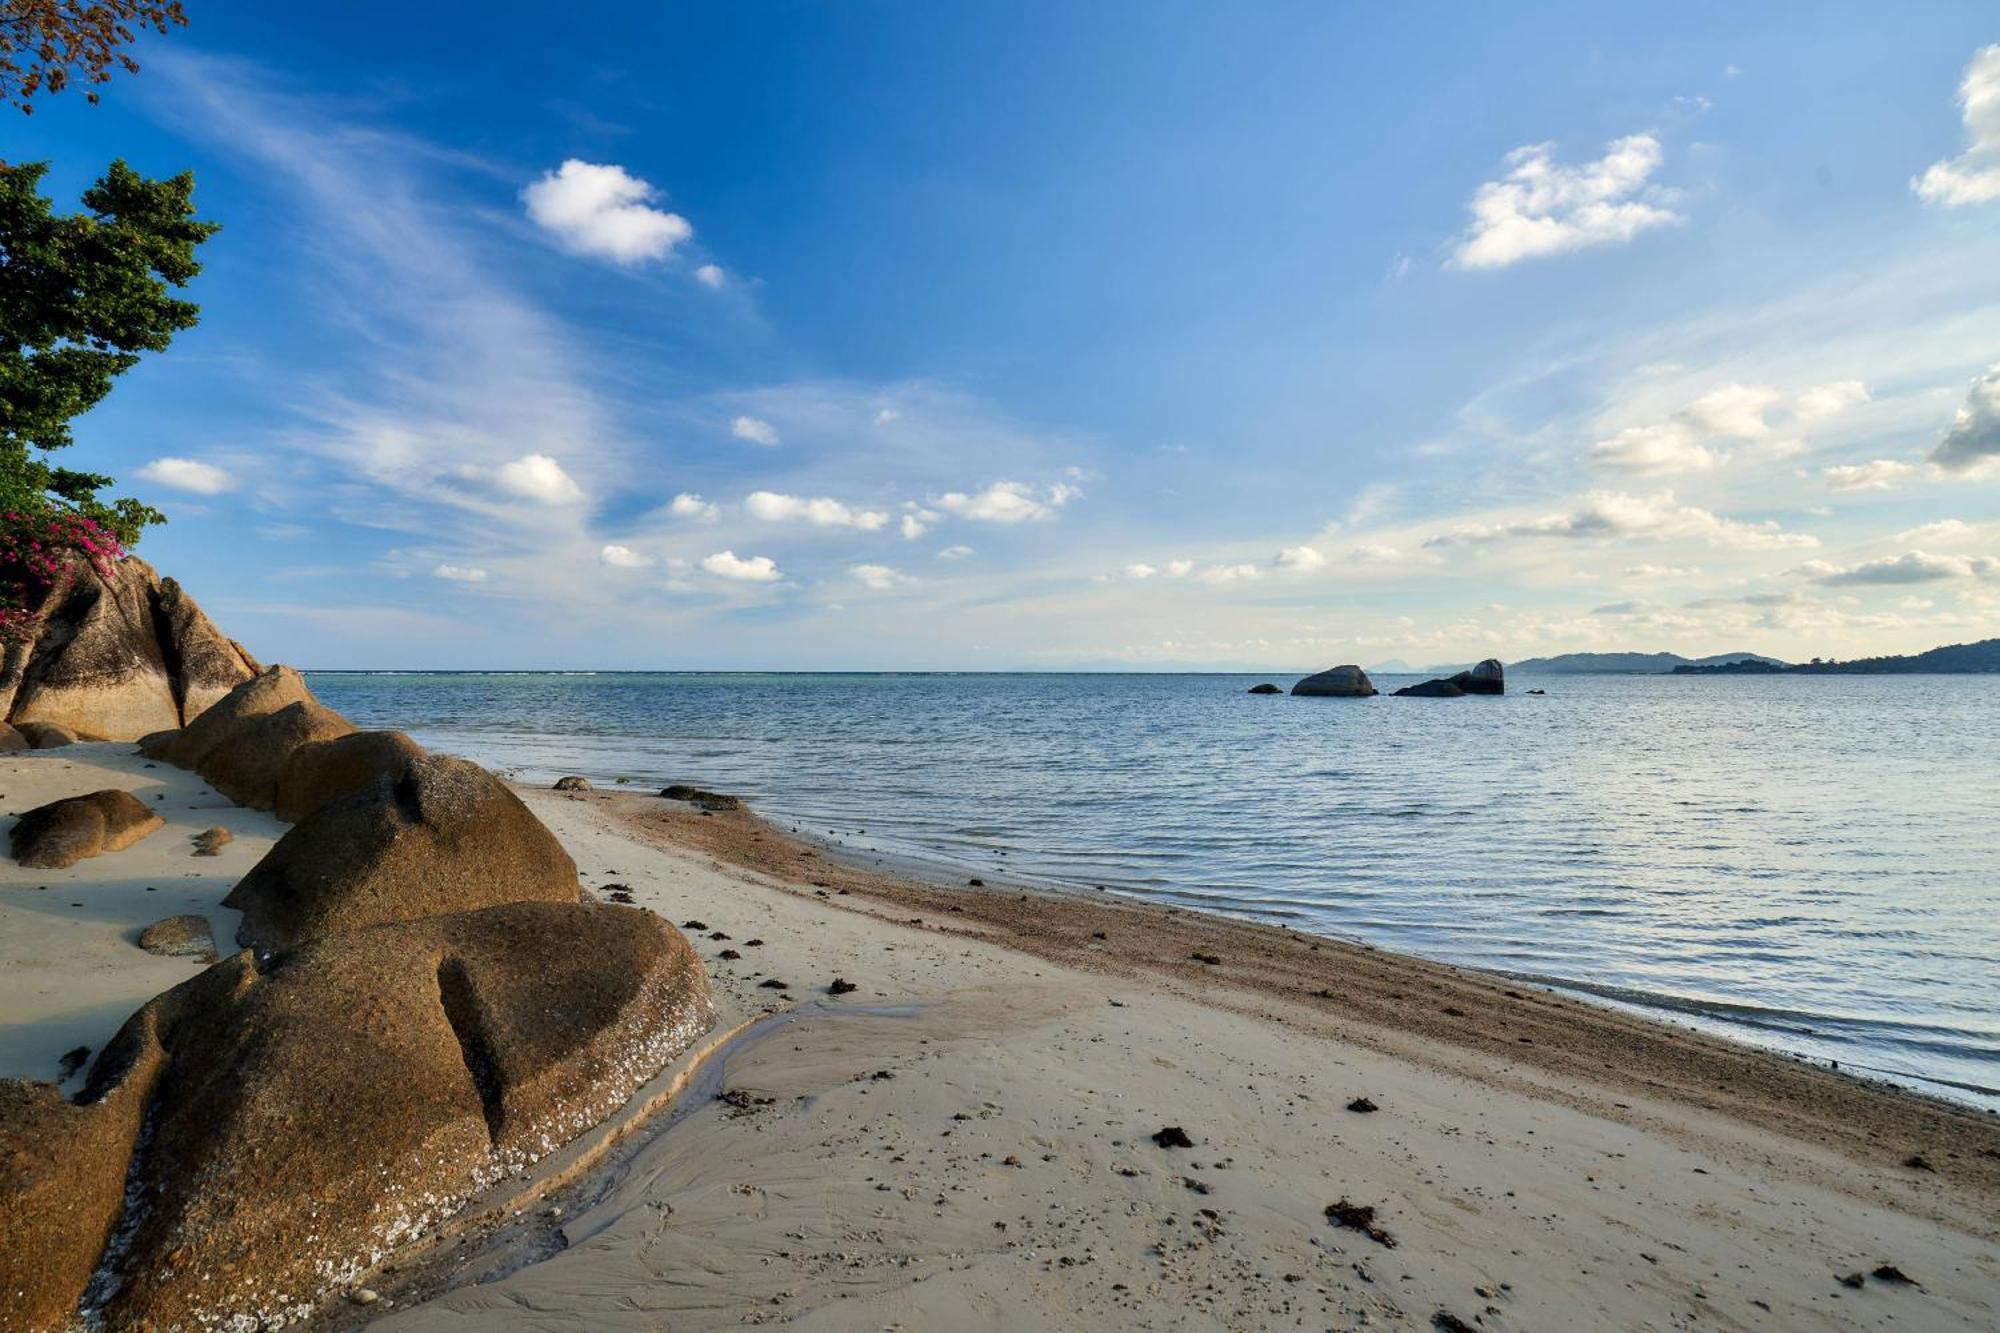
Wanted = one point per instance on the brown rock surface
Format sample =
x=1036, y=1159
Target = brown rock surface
x=447, y=836
x=323, y=771
x=64, y=832
x=359, y=1089
x=185, y=936
x=11, y=740
x=46, y=735
x=115, y=659
x=267, y=692
x=245, y=764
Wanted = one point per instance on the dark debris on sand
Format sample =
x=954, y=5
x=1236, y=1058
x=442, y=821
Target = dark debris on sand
x=1360, y=1217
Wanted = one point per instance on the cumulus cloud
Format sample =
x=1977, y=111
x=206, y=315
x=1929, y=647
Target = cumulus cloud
x=1945, y=529
x=186, y=474
x=1541, y=207
x=954, y=553
x=1300, y=559
x=539, y=478
x=689, y=505
x=1881, y=474
x=753, y=569
x=460, y=573
x=603, y=212
x=1179, y=569
x=1223, y=575
x=1974, y=437
x=819, y=511
x=711, y=276
x=624, y=557
x=1005, y=502
x=1375, y=553
x=1910, y=567
x=1729, y=413
x=1612, y=515
x=1973, y=177
x=917, y=521
x=879, y=577
x=754, y=430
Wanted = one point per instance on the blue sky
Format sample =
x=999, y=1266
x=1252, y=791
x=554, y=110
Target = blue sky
x=951, y=336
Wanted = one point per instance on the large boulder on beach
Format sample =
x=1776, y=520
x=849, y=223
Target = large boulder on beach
x=246, y=763
x=445, y=836
x=12, y=741
x=323, y=771
x=266, y=692
x=308, y=1114
x=46, y=735
x=186, y=936
x=115, y=658
x=1341, y=682
x=64, y=832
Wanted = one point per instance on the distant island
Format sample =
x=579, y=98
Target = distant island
x=1956, y=658
x=1584, y=664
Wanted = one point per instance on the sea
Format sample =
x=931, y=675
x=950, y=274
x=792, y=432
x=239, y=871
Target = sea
x=1807, y=863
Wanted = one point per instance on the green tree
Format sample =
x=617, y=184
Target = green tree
x=82, y=295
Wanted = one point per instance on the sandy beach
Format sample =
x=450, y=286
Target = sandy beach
x=966, y=1139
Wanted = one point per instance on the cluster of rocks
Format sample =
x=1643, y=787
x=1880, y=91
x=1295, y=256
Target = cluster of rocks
x=428, y=1003
x=1351, y=682
x=112, y=659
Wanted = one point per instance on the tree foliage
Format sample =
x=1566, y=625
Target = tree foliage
x=44, y=44
x=82, y=295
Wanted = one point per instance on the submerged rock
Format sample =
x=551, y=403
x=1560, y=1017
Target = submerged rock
x=1431, y=689
x=446, y=836
x=75, y=828
x=1265, y=688
x=1341, y=682
x=1489, y=677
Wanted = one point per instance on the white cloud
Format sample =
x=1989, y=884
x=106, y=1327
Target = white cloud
x=1974, y=437
x=1825, y=400
x=185, y=474
x=954, y=553
x=1652, y=450
x=1179, y=569
x=821, y=512
x=886, y=415
x=1222, y=575
x=1612, y=515
x=711, y=276
x=917, y=522
x=539, y=478
x=1660, y=571
x=1300, y=559
x=1375, y=553
x=754, y=430
x=460, y=573
x=754, y=569
x=1734, y=411
x=1973, y=177
x=1881, y=474
x=1911, y=567
x=602, y=212
x=1004, y=502
x=879, y=577
x=624, y=557
x=689, y=505
x=1945, y=529
x=1542, y=208
x=1140, y=570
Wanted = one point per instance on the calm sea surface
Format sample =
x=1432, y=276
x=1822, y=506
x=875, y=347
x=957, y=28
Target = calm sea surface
x=1811, y=863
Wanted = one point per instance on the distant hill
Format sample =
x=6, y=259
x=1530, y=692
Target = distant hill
x=1958, y=658
x=1577, y=663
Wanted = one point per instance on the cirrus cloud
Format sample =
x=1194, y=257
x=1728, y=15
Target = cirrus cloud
x=460, y=574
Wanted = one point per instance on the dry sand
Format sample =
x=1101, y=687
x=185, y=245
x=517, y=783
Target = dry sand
x=71, y=970
x=965, y=1140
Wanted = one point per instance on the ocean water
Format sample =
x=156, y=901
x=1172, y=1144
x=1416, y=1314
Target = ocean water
x=1809, y=863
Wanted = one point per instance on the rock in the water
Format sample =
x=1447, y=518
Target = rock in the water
x=187, y=936
x=46, y=735
x=262, y=694
x=1341, y=682
x=312, y=1111
x=446, y=836
x=115, y=659
x=1431, y=689
x=64, y=832
x=245, y=764
x=572, y=783
x=322, y=771
x=11, y=740
x=1489, y=677
x=700, y=799
x=1266, y=688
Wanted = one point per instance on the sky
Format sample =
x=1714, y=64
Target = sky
x=1043, y=336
